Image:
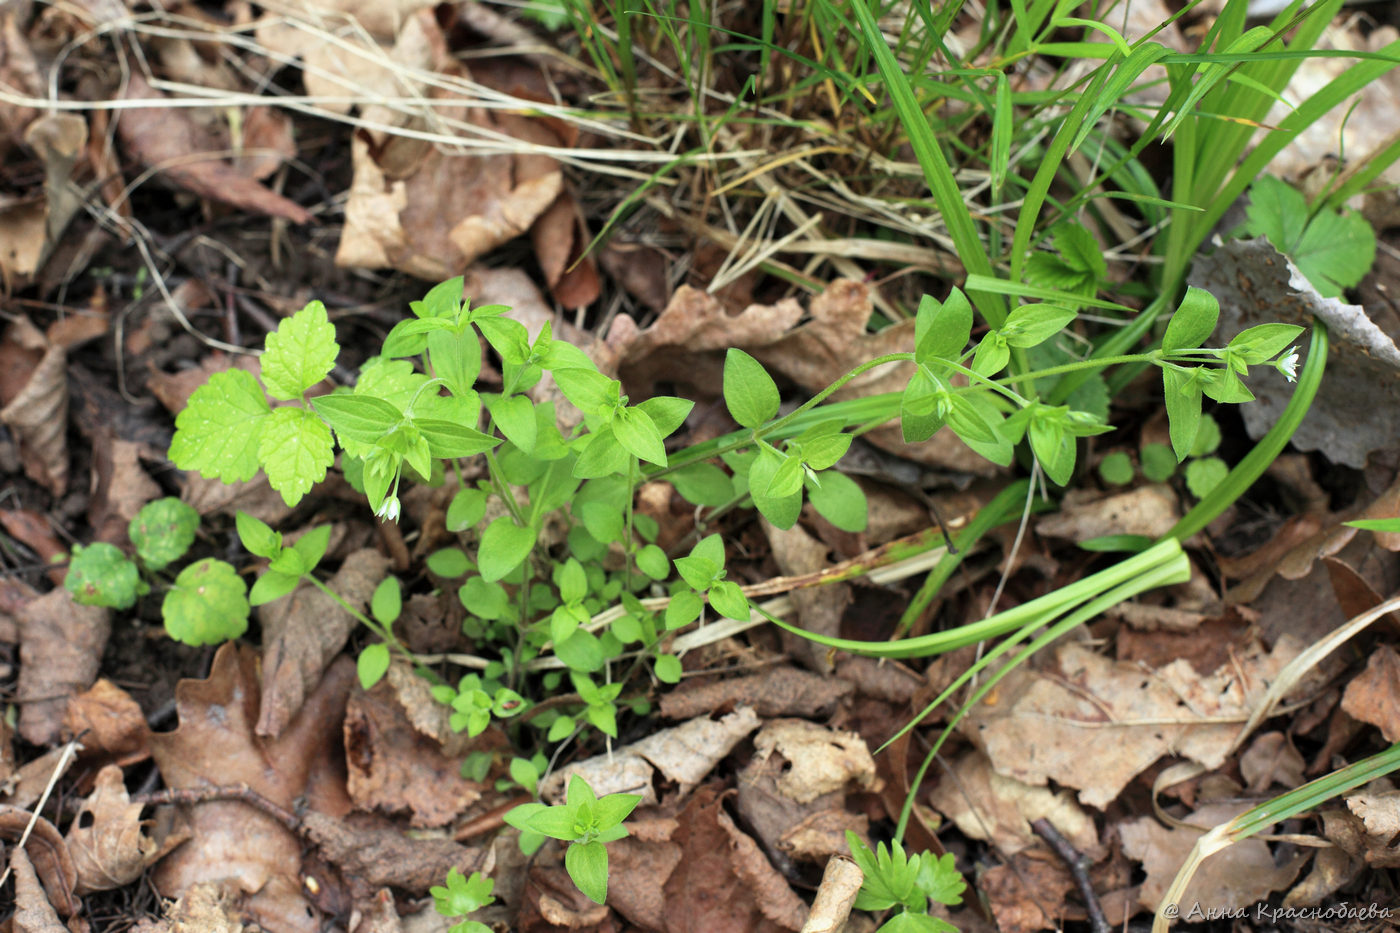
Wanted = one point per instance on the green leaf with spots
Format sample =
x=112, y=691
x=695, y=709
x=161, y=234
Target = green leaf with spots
x=101, y=575
x=163, y=531
x=295, y=450
x=299, y=353
x=207, y=605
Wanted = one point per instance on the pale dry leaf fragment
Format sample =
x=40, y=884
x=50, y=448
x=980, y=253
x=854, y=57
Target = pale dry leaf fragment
x=1147, y=510
x=304, y=632
x=1347, y=832
x=108, y=839
x=1373, y=696
x=394, y=768
x=110, y=722
x=372, y=849
x=38, y=414
x=1379, y=812
x=823, y=834
x=836, y=895
x=682, y=754
x=1000, y=809
x=33, y=912
x=1271, y=759
x=59, y=656
x=18, y=70
x=780, y=691
x=1239, y=875
x=1037, y=723
x=47, y=855
x=774, y=896
x=166, y=140
x=823, y=760
x=1256, y=284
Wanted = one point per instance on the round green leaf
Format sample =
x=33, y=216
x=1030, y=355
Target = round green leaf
x=449, y=563
x=101, y=575
x=729, y=601
x=163, y=531
x=504, y=546
x=668, y=669
x=1158, y=462
x=1204, y=475
x=1116, y=469
x=467, y=508
x=840, y=500
x=651, y=560
x=208, y=604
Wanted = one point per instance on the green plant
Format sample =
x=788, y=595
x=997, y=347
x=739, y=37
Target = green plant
x=205, y=604
x=1334, y=249
x=587, y=823
x=461, y=896
x=893, y=879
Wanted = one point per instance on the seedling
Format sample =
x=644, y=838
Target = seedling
x=461, y=896
x=587, y=823
x=894, y=880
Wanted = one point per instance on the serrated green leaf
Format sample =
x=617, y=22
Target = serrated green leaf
x=208, y=604
x=299, y=353
x=295, y=451
x=219, y=431
x=750, y=393
x=372, y=664
x=163, y=531
x=1335, y=252
x=101, y=575
x=504, y=546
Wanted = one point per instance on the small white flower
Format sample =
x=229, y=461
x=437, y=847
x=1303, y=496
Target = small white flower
x=1288, y=364
x=389, y=509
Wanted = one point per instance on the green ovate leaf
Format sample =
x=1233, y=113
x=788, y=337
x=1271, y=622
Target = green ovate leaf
x=372, y=664
x=449, y=562
x=272, y=585
x=1116, y=469
x=729, y=601
x=1182, y=392
x=101, y=575
x=703, y=484
x=1334, y=250
x=256, y=536
x=504, y=546
x=587, y=865
x=455, y=357
x=1193, y=322
x=637, y=433
x=208, y=604
x=651, y=560
x=358, y=418
x=1202, y=476
x=1158, y=463
x=467, y=508
x=749, y=392
x=942, y=328
x=295, y=450
x=299, y=353
x=1263, y=342
x=668, y=669
x=218, y=432
x=387, y=601
x=840, y=500
x=163, y=531
x=515, y=417
x=685, y=607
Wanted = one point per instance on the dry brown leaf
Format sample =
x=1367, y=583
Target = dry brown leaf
x=304, y=632
x=29, y=782
x=881, y=679
x=823, y=760
x=559, y=237
x=59, y=657
x=1036, y=723
x=167, y=140
x=1271, y=759
x=819, y=609
x=1373, y=696
x=46, y=853
x=120, y=487
x=110, y=722
x=1378, y=812
x=775, y=899
x=394, y=767
x=18, y=70
x=108, y=840
x=637, y=873
x=1347, y=832
x=373, y=850
x=823, y=834
x=1146, y=510
x=215, y=744
x=209, y=496
x=990, y=806
x=1331, y=868
x=553, y=902
x=789, y=829
x=682, y=754
x=38, y=413
x=1027, y=894
x=33, y=912
x=1240, y=875
x=35, y=530
x=779, y=691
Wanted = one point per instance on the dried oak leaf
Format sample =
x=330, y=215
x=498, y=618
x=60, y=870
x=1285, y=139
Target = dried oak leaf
x=59, y=656
x=823, y=760
x=110, y=722
x=46, y=853
x=1036, y=724
x=1373, y=696
x=1237, y=876
x=167, y=140
x=304, y=632
x=215, y=744
x=38, y=412
x=394, y=767
x=780, y=691
x=682, y=754
x=108, y=840
x=990, y=806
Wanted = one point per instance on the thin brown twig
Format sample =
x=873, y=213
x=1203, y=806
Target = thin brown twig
x=188, y=796
x=1078, y=864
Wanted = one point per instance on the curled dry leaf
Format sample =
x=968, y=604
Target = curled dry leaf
x=1347, y=832
x=1034, y=726
x=776, y=899
x=304, y=632
x=1373, y=696
x=167, y=140
x=394, y=767
x=110, y=722
x=1239, y=875
x=38, y=412
x=1378, y=812
x=1250, y=276
x=990, y=806
x=46, y=853
x=779, y=691
x=637, y=870
x=683, y=754
x=823, y=760
x=33, y=912
x=108, y=839
x=59, y=656
x=553, y=902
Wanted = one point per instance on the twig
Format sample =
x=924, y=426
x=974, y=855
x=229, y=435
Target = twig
x=1078, y=865
x=188, y=796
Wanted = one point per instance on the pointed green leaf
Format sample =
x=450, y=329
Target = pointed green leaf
x=372, y=664
x=1193, y=322
x=749, y=392
x=299, y=353
x=504, y=546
